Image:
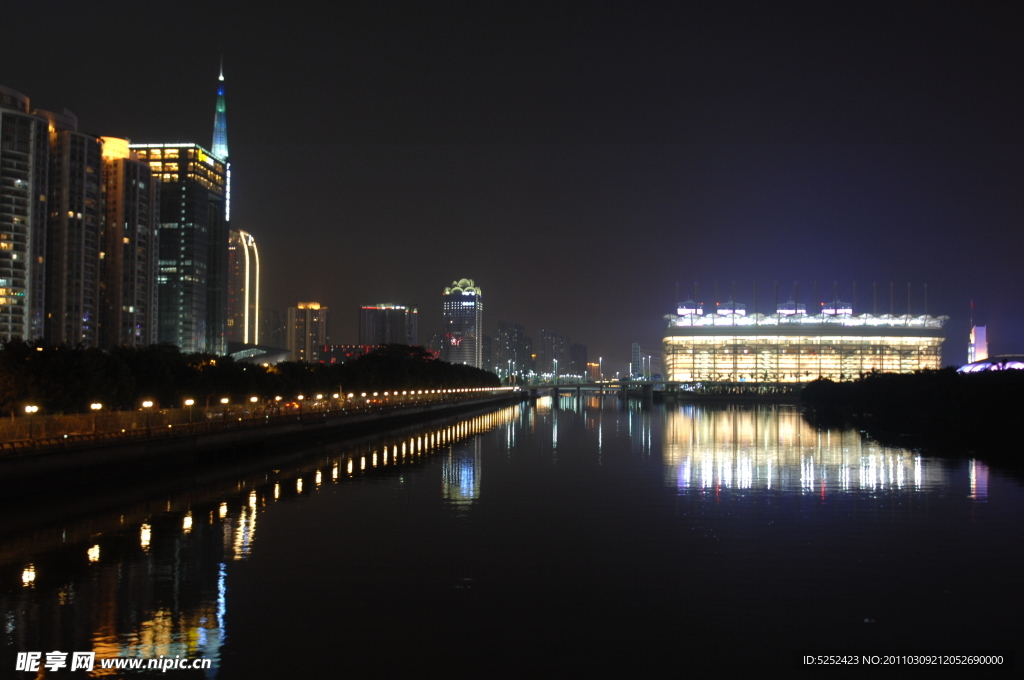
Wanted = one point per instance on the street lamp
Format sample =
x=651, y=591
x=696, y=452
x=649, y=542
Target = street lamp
x=224, y=409
x=95, y=409
x=253, y=400
x=30, y=411
x=189, y=403
x=147, y=405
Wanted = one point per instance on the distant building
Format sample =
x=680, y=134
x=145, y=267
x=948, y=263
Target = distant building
x=388, y=324
x=578, y=359
x=553, y=351
x=978, y=349
x=128, y=260
x=636, y=361
x=463, y=324
x=512, y=350
x=24, y=154
x=243, y=320
x=307, y=331
x=791, y=346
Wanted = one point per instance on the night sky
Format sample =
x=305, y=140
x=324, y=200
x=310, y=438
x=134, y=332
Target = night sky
x=577, y=160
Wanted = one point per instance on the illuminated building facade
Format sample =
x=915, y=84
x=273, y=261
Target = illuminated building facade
x=191, y=276
x=24, y=154
x=463, y=324
x=243, y=320
x=791, y=346
x=386, y=324
x=307, y=331
x=128, y=260
x=977, y=350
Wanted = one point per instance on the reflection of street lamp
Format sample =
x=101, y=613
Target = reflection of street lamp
x=189, y=403
x=95, y=409
x=30, y=411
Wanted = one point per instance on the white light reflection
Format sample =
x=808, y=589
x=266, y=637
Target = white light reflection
x=745, y=448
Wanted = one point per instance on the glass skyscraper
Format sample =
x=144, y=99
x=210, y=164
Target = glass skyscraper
x=463, y=324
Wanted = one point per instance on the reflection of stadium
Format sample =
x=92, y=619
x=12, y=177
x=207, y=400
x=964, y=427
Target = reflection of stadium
x=791, y=346
x=777, y=449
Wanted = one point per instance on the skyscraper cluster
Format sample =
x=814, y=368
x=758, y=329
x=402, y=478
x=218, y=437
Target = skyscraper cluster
x=106, y=243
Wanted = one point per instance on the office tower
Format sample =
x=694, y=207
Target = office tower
x=128, y=256
x=191, y=292
x=243, y=322
x=307, y=331
x=192, y=295
x=636, y=361
x=978, y=349
x=24, y=153
x=463, y=325
x=73, y=233
x=387, y=323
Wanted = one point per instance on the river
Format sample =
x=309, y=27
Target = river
x=552, y=539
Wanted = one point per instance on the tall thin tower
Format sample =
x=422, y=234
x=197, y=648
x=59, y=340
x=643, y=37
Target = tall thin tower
x=220, y=140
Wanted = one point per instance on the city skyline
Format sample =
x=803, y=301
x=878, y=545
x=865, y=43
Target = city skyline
x=628, y=150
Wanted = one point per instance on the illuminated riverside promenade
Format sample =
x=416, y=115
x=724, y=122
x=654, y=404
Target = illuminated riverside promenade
x=593, y=532
x=69, y=444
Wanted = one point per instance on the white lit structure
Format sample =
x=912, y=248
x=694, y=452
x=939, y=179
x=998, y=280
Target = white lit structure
x=978, y=349
x=792, y=346
x=243, y=288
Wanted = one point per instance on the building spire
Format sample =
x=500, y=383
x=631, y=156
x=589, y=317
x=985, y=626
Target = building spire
x=220, y=120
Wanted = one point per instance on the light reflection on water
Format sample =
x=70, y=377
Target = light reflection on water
x=615, y=509
x=165, y=593
x=759, y=448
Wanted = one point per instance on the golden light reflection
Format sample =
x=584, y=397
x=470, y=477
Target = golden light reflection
x=93, y=553
x=145, y=536
x=223, y=511
x=28, y=576
x=777, y=449
x=186, y=523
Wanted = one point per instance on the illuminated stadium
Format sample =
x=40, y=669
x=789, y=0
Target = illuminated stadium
x=793, y=346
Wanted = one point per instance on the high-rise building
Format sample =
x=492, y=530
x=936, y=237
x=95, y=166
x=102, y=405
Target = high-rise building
x=24, y=154
x=73, y=233
x=463, y=324
x=978, y=349
x=307, y=331
x=195, y=204
x=243, y=323
x=386, y=324
x=511, y=349
x=553, y=352
x=636, y=361
x=128, y=259
x=191, y=290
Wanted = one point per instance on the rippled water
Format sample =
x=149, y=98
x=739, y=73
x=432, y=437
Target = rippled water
x=544, y=540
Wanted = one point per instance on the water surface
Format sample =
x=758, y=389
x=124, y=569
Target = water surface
x=577, y=536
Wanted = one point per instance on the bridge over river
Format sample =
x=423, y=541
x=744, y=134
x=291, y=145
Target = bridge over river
x=669, y=390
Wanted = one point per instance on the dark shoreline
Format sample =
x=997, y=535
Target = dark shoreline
x=942, y=412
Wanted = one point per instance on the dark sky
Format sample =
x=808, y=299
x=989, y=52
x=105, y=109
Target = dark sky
x=577, y=160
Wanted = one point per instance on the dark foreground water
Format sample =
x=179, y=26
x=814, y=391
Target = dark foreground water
x=549, y=540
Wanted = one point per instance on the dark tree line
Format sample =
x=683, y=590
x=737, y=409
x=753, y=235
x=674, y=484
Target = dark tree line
x=68, y=379
x=942, y=410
